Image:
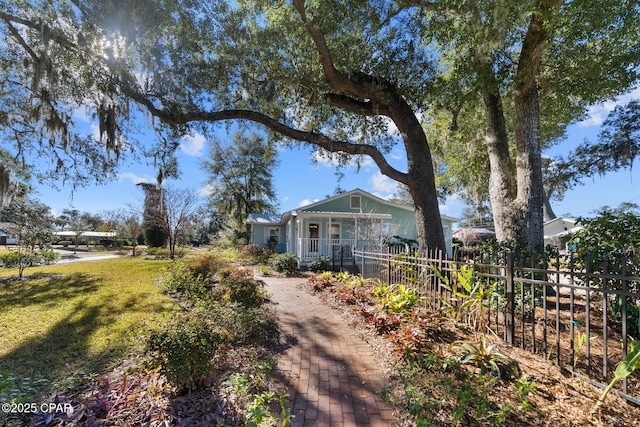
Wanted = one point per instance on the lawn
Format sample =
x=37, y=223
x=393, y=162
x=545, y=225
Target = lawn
x=65, y=322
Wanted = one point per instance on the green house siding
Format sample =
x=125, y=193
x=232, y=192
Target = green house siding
x=355, y=218
x=261, y=234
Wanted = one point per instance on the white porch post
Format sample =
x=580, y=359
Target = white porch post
x=356, y=232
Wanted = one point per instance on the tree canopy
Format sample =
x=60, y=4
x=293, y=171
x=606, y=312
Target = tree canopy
x=240, y=178
x=617, y=147
x=345, y=77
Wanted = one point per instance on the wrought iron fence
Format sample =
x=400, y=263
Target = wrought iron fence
x=581, y=319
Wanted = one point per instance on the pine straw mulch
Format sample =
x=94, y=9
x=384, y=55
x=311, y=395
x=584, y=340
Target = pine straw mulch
x=560, y=399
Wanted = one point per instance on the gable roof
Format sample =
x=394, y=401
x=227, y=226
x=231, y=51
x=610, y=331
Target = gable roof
x=355, y=191
x=265, y=219
x=277, y=219
x=565, y=219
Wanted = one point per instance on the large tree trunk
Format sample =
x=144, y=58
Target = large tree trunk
x=420, y=178
x=502, y=185
x=518, y=208
x=530, y=199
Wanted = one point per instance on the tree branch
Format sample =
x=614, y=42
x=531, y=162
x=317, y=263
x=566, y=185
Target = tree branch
x=354, y=105
x=38, y=26
x=365, y=87
x=319, y=140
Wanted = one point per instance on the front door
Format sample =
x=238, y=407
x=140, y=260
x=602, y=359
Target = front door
x=314, y=234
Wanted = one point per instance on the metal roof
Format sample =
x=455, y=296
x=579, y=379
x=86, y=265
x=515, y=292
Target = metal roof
x=266, y=219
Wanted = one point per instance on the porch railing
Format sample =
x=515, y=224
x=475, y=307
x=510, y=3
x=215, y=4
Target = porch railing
x=312, y=249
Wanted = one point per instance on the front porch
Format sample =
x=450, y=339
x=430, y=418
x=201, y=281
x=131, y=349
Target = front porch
x=311, y=249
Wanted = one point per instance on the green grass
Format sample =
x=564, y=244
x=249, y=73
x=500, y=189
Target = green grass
x=63, y=322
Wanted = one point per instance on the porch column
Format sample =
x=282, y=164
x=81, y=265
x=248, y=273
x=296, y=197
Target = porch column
x=356, y=232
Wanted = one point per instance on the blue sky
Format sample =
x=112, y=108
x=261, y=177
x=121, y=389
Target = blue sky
x=299, y=181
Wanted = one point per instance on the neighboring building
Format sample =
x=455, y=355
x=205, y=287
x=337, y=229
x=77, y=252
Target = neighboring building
x=471, y=236
x=7, y=237
x=334, y=226
x=559, y=230
x=89, y=236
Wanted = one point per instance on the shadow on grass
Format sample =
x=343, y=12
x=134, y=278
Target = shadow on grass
x=44, y=289
x=93, y=332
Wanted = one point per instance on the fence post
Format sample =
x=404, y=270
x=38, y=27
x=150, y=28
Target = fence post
x=389, y=265
x=353, y=261
x=510, y=314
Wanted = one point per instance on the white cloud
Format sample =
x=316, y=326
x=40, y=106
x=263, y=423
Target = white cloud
x=134, y=178
x=597, y=114
x=306, y=202
x=383, y=183
x=192, y=145
x=206, y=191
x=382, y=196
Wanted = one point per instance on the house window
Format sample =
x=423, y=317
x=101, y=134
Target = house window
x=314, y=234
x=335, y=232
x=355, y=202
x=274, y=233
x=273, y=236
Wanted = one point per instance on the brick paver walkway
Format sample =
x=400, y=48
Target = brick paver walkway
x=331, y=374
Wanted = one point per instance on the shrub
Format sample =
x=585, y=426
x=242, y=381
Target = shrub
x=256, y=252
x=206, y=265
x=265, y=270
x=319, y=265
x=183, y=350
x=180, y=281
x=239, y=286
x=22, y=259
x=163, y=253
x=64, y=243
x=285, y=263
x=241, y=323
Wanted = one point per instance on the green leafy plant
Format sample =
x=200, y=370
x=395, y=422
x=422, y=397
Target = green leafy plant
x=265, y=270
x=181, y=281
x=468, y=296
x=382, y=289
x=343, y=277
x=23, y=258
x=633, y=316
x=487, y=359
x=238, y=286
x=524, y=388
x=321, y=264
x=285, y=263
x=183, y=350
x=258, y=411
x=578, y=347
x=630, y=363
x=400, y=300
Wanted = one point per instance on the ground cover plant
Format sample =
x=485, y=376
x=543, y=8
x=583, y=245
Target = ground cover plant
x=450, y=373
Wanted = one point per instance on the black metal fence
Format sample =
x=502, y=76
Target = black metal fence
x=581, y=319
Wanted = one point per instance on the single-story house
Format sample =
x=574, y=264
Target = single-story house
x=559, y=230
x=86, y=235
x=334, y=226
x=7, y=236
